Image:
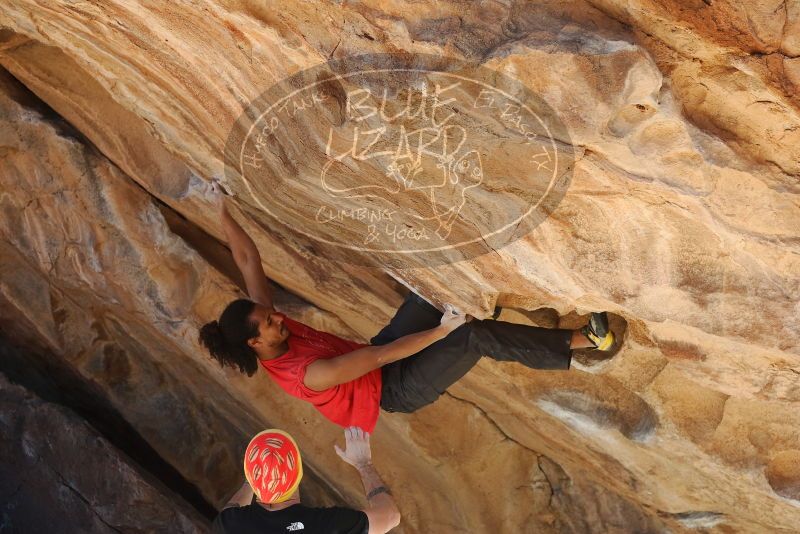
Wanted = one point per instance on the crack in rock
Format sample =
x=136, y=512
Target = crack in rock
x=65, y=483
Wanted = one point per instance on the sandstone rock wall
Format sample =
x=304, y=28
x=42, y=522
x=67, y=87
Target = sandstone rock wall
x=681, y=219
x=47, y=484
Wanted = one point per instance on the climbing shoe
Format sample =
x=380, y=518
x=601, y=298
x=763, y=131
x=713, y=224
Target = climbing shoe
x=496, y=313
x=598, y=333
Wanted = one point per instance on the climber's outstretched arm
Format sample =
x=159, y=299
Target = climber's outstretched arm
x=245, y=254
x=322, y=374
x=382, y=512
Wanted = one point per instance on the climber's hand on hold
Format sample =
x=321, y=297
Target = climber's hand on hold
x=216, y=194
x=452, y=318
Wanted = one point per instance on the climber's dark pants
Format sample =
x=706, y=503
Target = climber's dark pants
x=413, y=382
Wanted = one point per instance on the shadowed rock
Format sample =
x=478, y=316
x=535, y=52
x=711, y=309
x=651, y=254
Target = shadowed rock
x=57, y=474
x=783, y=474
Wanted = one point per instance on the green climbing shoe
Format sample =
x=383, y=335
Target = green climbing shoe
x=598, y=333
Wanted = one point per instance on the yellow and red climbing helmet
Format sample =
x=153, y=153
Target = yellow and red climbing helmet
x=272, y=465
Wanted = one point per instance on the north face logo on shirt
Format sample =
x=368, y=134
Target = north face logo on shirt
x=296, y=526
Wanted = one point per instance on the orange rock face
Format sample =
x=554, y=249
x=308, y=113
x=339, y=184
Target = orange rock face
x=670, y=132
x=783, y=473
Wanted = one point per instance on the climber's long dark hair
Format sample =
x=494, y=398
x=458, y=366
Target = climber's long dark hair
x=226, y=339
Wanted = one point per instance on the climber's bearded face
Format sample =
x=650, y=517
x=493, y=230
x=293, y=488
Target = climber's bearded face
x=271, y=330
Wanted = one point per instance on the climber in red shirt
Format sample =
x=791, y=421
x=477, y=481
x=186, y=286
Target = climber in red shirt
x=408, y=365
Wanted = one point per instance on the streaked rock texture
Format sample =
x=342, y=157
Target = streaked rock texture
x=59, y=475
x=682, y=219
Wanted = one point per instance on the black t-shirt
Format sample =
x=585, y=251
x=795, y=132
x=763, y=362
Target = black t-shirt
x=296, y=519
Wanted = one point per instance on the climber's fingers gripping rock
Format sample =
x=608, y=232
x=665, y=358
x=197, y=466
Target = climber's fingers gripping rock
x=453, y=318
x=216, y=194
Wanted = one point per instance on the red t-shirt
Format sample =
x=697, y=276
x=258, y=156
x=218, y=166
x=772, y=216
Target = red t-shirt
x=355, y=403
